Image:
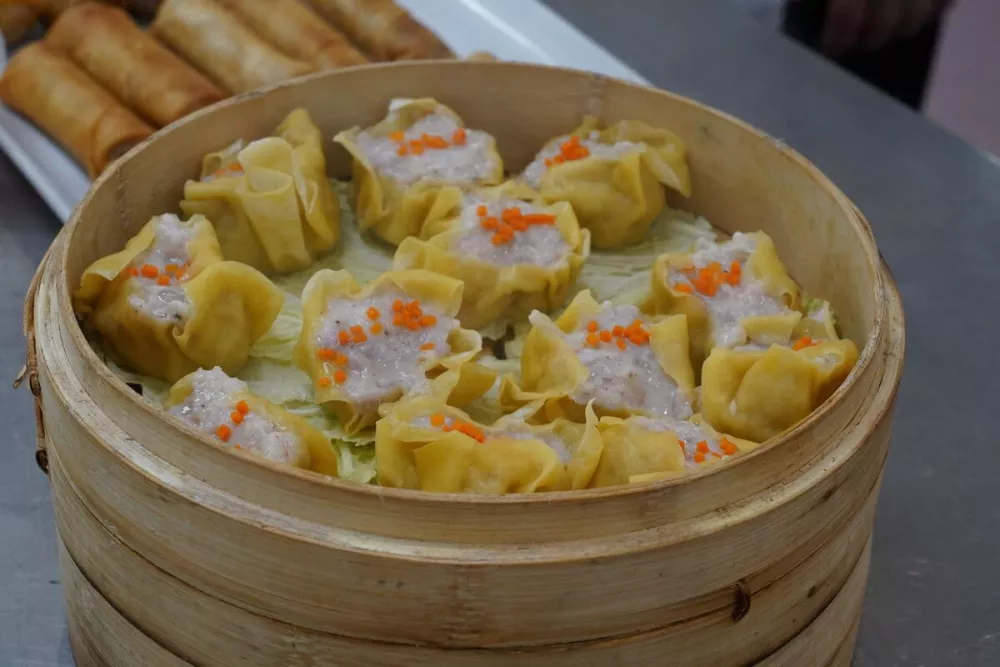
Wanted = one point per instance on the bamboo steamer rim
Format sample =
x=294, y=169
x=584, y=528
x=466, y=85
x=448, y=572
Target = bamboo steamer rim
x=112, y=176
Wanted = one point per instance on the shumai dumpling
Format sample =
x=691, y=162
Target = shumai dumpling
x=614, y=178
x=613, y=356
x=424, y=444
x=732, y=292
x=513, y=253
x=270, y=201
x=640, y=449
x=418, y=159
x=223, y=407
x=756, y=392
x=168, y=304
x=365, y=347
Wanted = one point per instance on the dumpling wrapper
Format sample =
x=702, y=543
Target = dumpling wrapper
x=312, y=450
x=763, y=264
x=231, y=306
x=395, y=210
x=551, y=370
x=618, y=197
x=512, y=458
x=498, y=292
x=453, y=377
x=270, y=202
x=757, y=394
x=640, y=450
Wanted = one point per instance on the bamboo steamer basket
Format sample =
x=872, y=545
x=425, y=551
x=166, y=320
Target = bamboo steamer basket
x=178, y=551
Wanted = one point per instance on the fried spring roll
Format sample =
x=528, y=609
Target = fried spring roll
x=297, y=30
x=70, y=106
x=53, y=8
x=141, y=72
x=383, y=29
x=15, y=20
x=223, y=47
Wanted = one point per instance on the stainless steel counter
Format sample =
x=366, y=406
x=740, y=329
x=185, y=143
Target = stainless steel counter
x=935, y=205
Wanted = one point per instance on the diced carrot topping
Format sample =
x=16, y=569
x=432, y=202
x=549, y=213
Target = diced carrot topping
x=412, y=325
x=621, y=343
x=343, y=337
x=323, y=382
x=435, y=142
x=358, y=334
x=549, y=162
x=499, y=239
x=237, y=417
x=398, y=319
x=326, y=354
x=427, y=346
x=437, y=419
x=683, y=445
x=397, y=306
x=150, y=271
x=403, y=150
x=619, y=330
x=592, y=326
x=735, y=274
x=703, y=446
x=243, y=407
x=428, y=320
x=235, y=166
x=224, y=432
x=803, y=343
x=339, y=376
x=509, y=214
x=593, y=340
x=699, y=457
x=481, y=210
x=605, y=336
x=397, y=135
x=376, y=328
x=539, y=219
x=171, y=269
x=373, y=313
x=417, y=149
x=489, y=223
x=132, y=271
x=340, y=359
x=684, y=288
x=163, y=279
x=459, y=136
x=728, y=447
x=518, y=224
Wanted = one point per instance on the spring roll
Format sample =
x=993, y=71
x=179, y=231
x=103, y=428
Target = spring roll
x=297, y=30
x=53, y=8
x=383, y=29
x=16, y=20
x=140, y=71
x=70, y=106
x=222, y=46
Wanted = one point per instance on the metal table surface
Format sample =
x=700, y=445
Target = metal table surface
x=934, y=203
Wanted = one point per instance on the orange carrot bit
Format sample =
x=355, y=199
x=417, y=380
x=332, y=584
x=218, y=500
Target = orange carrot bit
x=683, y=288
x=803, y=343
x=434, y=141
x=592, y=326
x=243, y=407
x=358, y=335
x=171, y=269
x=412, y=325
x=326, y=354
x=237, y=417
x=703, y=447
x=499, y=239
x=343, y=337
x=376, y=328
x=235, y=166
x=605, y=336
x=619, y=330
x=459, y=136
x=426, y=347
x=374, y=313
x=150, y=271
x=397, y=135
x=714, y=269
x=323, y=382
x=163, y=279
x=224, y=433
x=428, y=320
x=509, y=214
x=621, y=344
x=132, y=271
x=728, y=447
x=549, y=162
x=539, y=219
x=482, y=211
x=403, y=150
x=593, y=340
x=448, y=428
x=437, y=419
x=490, y=224
x=340, y=376
x=735, y=274
x=340, y=359
x=699, y=457
x=518, y=224
x=397, y=306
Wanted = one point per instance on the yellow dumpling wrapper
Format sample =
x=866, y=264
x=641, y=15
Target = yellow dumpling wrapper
x=307, y=448
x=757, y=394
x=552, y=371
x=424, y=444
x=500, y=285
x=616, y=192
x=395, y=203
x=763, y=266
x=379, y=361
x=230, y=306
x=640, y=450
x=271, y=202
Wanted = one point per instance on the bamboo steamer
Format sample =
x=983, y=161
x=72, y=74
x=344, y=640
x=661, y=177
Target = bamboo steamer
x=178, y=551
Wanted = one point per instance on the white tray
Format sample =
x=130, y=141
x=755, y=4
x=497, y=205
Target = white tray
x=518, y=30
